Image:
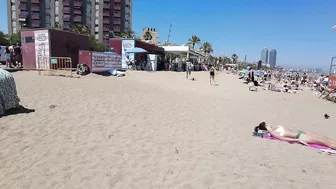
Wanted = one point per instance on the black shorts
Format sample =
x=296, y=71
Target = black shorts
x=212, y=73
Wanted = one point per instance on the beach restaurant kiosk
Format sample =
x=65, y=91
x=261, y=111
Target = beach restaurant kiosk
x=153, y=54
x=46, y=44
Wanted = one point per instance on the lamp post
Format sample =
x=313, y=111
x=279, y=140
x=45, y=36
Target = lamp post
x=334, y=27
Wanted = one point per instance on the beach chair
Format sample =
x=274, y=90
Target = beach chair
x=327, y=94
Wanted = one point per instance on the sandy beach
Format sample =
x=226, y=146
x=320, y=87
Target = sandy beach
x=157, y=131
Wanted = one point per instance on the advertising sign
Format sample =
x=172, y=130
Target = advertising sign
x=127, y=44
x=105, y=61
x=332, y=82
x=42, y=48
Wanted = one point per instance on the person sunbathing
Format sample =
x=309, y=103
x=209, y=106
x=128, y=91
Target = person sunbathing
x=296, y=136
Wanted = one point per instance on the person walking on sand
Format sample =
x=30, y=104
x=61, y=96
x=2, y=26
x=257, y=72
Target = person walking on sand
x=212, y=75
x=189, y=68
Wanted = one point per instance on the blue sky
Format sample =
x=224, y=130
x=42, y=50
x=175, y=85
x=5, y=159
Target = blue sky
x=300, y=30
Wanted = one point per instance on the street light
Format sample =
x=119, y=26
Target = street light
x=334, y=27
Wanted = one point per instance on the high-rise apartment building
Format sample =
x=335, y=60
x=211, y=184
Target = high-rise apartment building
x=272, y=58
x=264, y=55
x=101, y=16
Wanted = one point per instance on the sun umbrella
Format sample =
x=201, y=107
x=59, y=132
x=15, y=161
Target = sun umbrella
x=244, y=71
x=259, y=74
x=135, y=50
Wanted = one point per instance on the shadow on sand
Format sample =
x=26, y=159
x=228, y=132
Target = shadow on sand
x=19, y=110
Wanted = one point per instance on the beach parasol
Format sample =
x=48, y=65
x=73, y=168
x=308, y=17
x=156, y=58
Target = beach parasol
x=244, y=71
x=136, y=50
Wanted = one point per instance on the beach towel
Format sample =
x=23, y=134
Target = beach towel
x=316, y=146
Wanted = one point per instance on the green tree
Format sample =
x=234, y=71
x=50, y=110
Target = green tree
x=194, y=40
x=94, y=45
x=234, y=58
x=128, y=34
x=226, y=60
x=14, y=38
x=4, y=39
x=207, y=48
x=78, y=28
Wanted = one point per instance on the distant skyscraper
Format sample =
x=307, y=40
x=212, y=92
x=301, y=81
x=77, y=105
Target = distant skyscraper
x=264, y=55
x=272, y=58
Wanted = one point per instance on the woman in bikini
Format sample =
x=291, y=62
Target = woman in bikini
x=296, y=136
x=212, y=75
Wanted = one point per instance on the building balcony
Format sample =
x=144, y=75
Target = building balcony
x=35, y=8
x=66, y=11
x=24, y=1
x=107, y=0
x=66, y=27
x=116, y=15
x=118, y=7
x=79, y=19
x=35, y=17
x=107, y=7
x=66, y=18
x=36, y=25
x=77, y=12
x=117, y=1
x=22, y=15
x=116, y=29
x=116, y=22
x=23, y=7
x=66, y=3
x=77, y=4
x=106, y=21
x=106, y=29
x=35, y=1
x=106, y=14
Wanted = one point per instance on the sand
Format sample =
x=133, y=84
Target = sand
x=159, y=130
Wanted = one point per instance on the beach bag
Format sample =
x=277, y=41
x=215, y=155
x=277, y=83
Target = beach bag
x=82, y=69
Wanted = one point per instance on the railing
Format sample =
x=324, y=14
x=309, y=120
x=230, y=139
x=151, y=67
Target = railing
x=54, y=64
x=117, y=7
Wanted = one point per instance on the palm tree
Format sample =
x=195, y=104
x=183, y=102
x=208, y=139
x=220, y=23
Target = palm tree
x=207, y=48
x=234, y=58
x=128, y=34
x=194, y=40
x=227, y=60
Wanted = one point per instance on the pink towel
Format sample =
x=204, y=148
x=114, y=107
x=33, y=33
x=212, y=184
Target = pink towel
x=317, y=146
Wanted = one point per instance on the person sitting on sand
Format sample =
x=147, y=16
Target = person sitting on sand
x=296, y=136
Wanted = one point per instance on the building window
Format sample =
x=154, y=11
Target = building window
x=35, y=13
x=36, y=22
x=26, y=13
x=116, y=19
x=29, y=40
x=66, y=8
x=117, y=27
x=116, y=12
x=67, y=23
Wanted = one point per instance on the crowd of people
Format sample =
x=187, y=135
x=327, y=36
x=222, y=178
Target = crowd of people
x=286, y=81
x=13, y=56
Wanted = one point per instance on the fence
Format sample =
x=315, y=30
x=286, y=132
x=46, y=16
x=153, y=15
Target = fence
x=54, y=65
